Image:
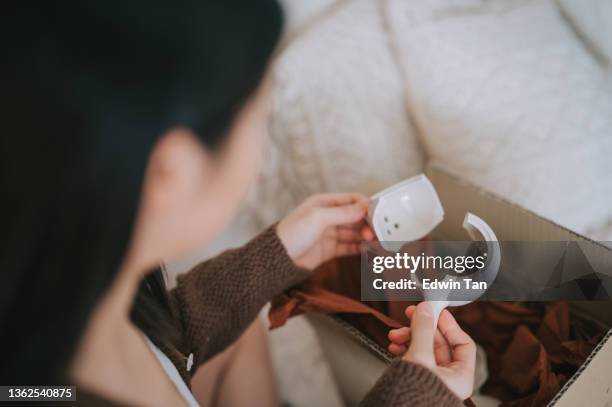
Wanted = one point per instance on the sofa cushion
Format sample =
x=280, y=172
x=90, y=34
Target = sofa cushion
x=507, y=96
x=592, y=19
x=339, y=121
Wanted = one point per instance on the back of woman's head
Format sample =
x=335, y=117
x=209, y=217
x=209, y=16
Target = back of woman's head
x=88, y=87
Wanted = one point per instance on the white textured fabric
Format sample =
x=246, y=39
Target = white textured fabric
x=339, y=120
x=508, y=97
x=299, y=13
x=593, y=20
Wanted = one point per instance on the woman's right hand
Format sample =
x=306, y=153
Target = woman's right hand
x=325, y=226
x=448, y=351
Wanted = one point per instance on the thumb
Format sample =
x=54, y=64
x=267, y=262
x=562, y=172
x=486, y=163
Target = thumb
x=339, y=215
x=422, y=331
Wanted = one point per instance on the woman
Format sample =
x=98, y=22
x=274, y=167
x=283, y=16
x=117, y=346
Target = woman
x=131, y=134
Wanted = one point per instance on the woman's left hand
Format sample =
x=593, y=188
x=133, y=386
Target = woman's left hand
x=325, y=226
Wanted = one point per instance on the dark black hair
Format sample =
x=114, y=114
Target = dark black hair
x=87, y=89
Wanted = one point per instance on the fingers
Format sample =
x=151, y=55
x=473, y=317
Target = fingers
x=348, y=235
x=399, y=339
x=338, y=208
x=336, y=199
x=340, y=215
x=341, y=209
x=366, y=232
x=422, y=335
x=347, y=249
x=456, y=368
x=348, y=241
x=397, y=350
x=409, y=311
x=460, y=373
x=438, y=337
x=361, y=228
x=401, y=336
x=463, y=347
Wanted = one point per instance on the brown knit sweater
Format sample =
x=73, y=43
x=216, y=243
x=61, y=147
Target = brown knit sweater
x=218, y=299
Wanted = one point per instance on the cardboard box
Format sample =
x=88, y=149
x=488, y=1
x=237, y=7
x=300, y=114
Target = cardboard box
x=357, y=361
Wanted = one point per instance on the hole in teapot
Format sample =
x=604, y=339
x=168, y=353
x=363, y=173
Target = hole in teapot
x=396, y=225
x=386, y=219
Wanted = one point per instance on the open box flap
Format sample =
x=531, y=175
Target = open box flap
x=509, y=221
x=591, y=385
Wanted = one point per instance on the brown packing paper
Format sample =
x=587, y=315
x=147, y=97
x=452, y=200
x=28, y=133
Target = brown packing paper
x=532, y=349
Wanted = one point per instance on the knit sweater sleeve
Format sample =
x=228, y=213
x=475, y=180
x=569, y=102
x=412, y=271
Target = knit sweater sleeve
x=409, y=384
x=219, y=298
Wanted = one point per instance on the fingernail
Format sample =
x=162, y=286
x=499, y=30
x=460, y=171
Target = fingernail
x=424, y=308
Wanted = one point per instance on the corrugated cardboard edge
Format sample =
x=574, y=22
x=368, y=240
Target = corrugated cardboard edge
x=386, y=357
x=581, y=369
x=435, y=170
x=509, y=221
x=362, y=339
